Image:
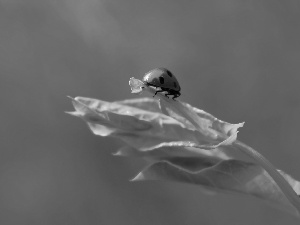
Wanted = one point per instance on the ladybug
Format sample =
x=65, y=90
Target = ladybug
x=163, y=79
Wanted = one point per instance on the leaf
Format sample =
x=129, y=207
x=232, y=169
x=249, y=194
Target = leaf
x=225, y=176
x=140, y=124
x=189, y=145
x=161, y=152
x=215, y=123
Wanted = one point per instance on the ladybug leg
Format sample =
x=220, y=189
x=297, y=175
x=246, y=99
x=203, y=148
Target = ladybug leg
x=167, y=95
x=176, y=96
x=157, y=92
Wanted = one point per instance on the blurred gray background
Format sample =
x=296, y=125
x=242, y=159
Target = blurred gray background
x=239, y=60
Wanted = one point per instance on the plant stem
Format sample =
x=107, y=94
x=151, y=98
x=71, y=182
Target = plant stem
x=285, y=187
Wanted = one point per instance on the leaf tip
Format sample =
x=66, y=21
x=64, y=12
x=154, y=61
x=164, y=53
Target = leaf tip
x=139, y=177
x=75, y=113
x=117, y=153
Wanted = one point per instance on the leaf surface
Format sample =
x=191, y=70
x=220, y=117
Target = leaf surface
x=225, y=176
x=188, y=145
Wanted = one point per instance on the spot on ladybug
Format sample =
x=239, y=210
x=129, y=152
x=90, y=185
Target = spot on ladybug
x=163, y=79
x=169, y=73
